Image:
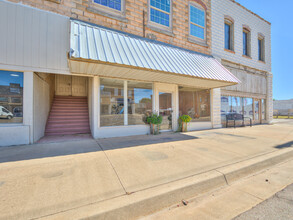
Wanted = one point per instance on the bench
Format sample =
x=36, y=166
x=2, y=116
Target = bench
x=236, y=117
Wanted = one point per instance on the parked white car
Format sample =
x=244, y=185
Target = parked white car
x=4, y=113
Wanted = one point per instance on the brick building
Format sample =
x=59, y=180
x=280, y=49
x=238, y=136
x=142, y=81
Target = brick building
x=101, y=66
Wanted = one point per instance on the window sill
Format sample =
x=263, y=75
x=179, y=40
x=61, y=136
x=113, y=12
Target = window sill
x=199, y=42
x=248, y=57
x=55, y=1
x=261, y=61
x=160, y=30
x=230, y=51
x=107, y=13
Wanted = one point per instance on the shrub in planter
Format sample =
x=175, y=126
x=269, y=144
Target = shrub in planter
x=184, y=120
x=154, y=120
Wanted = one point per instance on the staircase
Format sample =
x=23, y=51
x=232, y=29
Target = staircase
x=69, y=115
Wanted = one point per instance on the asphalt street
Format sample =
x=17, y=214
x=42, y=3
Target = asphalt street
x=278, y=207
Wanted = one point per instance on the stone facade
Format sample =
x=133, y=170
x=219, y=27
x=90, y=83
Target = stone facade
x=255, y=75
x=133, y=19
x=242, y=18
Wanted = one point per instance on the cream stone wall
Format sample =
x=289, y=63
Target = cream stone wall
x=241, y=16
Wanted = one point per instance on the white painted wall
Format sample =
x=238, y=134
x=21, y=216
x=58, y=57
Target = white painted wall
x=14, y=134
x=196, y=126
x=241, y=16
x=41, y=107
x=32, y=39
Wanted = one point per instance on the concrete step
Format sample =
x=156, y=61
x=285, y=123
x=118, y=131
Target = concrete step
x=51, y=127
x=73, y=110
x=68, y=132
x=67, y=128
x=68, y=115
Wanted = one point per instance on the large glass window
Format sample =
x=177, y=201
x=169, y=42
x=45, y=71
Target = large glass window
x=256, y=110
x=236, y=105
x=248, y=107
x=11, y=97
x=139, y=102
x=263, y=109
x=230, y=104
x=197, y=22
x=112, y=102
x=225, y=106
x=160, y=12
x=114, y=4
x=194, y=103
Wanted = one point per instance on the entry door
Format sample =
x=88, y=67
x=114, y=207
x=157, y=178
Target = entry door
x=165, y=109
x=63, y=85
x=71, y=85
x=79, y=86
x=257, y=111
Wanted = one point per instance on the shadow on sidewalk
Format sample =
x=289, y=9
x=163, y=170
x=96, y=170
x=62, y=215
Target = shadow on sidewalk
x=141, y=140
x=74, y=147
x=286, y=145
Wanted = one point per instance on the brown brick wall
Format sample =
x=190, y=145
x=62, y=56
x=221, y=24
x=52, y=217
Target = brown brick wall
x=134, y=14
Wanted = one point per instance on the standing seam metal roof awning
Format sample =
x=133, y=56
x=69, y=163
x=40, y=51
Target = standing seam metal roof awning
x=92, y=43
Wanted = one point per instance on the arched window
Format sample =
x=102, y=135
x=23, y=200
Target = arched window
x=246, y=41
x=197, y=20
x=229, y=33
x=261, y=47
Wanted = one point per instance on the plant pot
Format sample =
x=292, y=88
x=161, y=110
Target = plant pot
x=154, y=129
x=184, y=126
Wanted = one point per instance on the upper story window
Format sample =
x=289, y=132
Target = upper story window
x=197, y=21
x=160, y=12
x=261, y=48
x=229, y=37
x=246, y=41
x=114, y=4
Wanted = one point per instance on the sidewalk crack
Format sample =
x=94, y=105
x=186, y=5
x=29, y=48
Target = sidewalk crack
x=251, y=194
x=112, y=167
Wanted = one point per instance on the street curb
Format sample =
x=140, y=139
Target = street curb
x=154, y=199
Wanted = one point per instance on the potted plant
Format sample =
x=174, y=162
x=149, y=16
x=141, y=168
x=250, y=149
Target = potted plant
x=154, y=120
x=184, y=120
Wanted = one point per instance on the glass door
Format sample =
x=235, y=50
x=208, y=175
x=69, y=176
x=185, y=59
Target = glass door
x=165, y=110
x=257, y=109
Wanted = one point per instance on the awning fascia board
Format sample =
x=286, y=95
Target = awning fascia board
x=107, y=69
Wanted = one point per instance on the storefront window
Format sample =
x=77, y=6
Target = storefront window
x=112, y=102
x=248, y=107
x=11, y=97
x=236, y=105
x=263, y=107
x=139, y=102
x=194, y=103
x=256, y=110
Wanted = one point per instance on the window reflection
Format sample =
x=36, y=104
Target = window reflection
x=194, y=103
x=238, y=105
x=139, y=102
x=11, y=97
x=112, y=102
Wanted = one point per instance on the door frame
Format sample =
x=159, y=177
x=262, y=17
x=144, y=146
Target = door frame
x=167, y=88
x=259, y=121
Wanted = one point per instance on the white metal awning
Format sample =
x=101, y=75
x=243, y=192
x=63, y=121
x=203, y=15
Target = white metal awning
x=100, y=51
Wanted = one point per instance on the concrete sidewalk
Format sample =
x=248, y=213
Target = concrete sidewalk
x=52, y=180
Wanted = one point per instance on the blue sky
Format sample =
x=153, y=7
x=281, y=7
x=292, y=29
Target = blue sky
x=280, y=14
x=8, y=77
